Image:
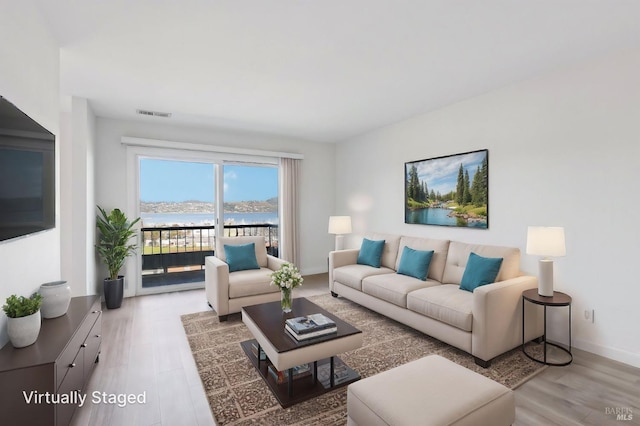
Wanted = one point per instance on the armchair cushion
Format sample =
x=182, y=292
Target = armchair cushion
x=250, y=283
x=241, y=257
x=261, y=249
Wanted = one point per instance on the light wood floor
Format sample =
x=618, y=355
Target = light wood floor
x=144, y=349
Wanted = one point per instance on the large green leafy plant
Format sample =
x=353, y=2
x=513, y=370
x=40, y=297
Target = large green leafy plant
x=18, y=307
x=113, y=242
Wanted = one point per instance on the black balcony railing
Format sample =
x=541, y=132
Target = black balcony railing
x=177, y=249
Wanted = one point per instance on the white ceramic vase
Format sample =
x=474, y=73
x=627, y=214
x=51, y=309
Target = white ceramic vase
x=56, y=296
x=24, y=331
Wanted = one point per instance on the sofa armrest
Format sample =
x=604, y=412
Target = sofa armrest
x=340, y=258
x=497, y=317
x=216, y=284
x=274, y=263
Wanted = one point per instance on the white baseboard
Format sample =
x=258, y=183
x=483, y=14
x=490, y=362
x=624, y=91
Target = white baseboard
x=314, y=270
x=619, y=355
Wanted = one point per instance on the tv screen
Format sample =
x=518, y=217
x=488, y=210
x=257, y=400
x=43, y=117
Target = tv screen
x=27, y=174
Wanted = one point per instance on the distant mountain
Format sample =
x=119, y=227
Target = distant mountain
x=266, y=206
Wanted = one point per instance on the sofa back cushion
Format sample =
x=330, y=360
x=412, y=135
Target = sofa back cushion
x=459, y=254
x=390, y=251
x=415, y=263
x=439, y=247
x=370, y=252
x=480, y=271
x=260, y=247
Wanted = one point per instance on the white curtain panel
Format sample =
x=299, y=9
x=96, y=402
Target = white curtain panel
x=289, y=238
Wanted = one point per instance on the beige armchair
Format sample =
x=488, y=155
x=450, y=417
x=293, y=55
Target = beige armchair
x=227, y=292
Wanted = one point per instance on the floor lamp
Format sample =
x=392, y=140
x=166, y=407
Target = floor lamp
x=339, y=225
x=548, y=242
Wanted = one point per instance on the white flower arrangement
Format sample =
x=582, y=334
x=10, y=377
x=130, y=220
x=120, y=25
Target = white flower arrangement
x=287, y=277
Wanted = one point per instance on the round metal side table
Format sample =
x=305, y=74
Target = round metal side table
x=557, y=300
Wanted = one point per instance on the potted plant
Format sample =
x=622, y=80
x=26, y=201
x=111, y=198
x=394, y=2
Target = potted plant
x=23, y=324
x=114, y=248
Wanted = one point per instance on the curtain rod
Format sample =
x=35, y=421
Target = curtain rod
x=159, y=143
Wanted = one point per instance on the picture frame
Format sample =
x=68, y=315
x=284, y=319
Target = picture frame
x=451, y=190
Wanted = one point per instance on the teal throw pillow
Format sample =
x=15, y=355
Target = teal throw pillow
x=415, y=263
x=480, y=271
x=241, y=257
x=370, y=252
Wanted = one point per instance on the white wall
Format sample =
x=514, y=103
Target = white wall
x=29, y=75
x=563, y=151
x=317, y=174
x=78, y=199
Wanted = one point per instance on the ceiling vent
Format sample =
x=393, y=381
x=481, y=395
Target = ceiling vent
x=153, y=113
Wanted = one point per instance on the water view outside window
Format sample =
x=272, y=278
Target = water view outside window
x=250, y=195
x=178, y=212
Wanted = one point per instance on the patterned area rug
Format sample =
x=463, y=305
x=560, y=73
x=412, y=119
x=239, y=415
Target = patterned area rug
x=238, y=396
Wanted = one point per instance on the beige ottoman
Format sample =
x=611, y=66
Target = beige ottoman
x=429, y=391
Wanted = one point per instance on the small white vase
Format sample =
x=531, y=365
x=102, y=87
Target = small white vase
x=24, y=331
x=56, y=296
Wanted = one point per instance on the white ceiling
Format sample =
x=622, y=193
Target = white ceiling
x=322, y=70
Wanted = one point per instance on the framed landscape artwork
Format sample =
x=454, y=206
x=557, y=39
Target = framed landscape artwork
x=448, y=191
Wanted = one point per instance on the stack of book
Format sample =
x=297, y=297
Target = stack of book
x=341, y=373
x=281, y=377
x=315, y=325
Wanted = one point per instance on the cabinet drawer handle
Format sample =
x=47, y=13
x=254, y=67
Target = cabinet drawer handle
x=73, y=364
x=97, y=335
x=84, y=345
x=96, y=312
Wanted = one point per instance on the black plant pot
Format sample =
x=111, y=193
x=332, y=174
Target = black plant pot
x=113, y=292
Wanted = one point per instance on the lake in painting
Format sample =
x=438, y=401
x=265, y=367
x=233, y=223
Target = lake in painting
x=440, y=216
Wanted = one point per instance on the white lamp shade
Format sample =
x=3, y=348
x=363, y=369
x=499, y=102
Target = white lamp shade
x=340, y=225
x=546, y=241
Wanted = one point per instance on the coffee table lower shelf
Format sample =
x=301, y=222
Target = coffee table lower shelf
x=304, y=388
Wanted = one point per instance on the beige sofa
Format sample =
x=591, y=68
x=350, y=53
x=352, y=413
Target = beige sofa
x=485, y=323
x=228, y=292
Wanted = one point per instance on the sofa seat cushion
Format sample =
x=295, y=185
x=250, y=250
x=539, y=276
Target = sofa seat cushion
x=445, y=303
x=352, y=275
x=250, y=283
x=394, y=288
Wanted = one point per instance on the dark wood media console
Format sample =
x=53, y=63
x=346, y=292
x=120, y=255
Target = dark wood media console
x=59, y=363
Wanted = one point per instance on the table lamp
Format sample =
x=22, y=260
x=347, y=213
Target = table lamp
x=339, y=225
x=548, y=242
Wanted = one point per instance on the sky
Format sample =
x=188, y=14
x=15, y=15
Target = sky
x=441, y=174
x=165, y=180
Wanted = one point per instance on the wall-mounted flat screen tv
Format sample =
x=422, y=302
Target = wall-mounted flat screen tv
x=27, y=174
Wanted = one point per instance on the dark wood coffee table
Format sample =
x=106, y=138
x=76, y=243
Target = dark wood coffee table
x=266, y=323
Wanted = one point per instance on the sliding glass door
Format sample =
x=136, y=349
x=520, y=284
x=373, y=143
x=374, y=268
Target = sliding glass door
x=186, y=201
x=251, y=202
x=177, y=209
